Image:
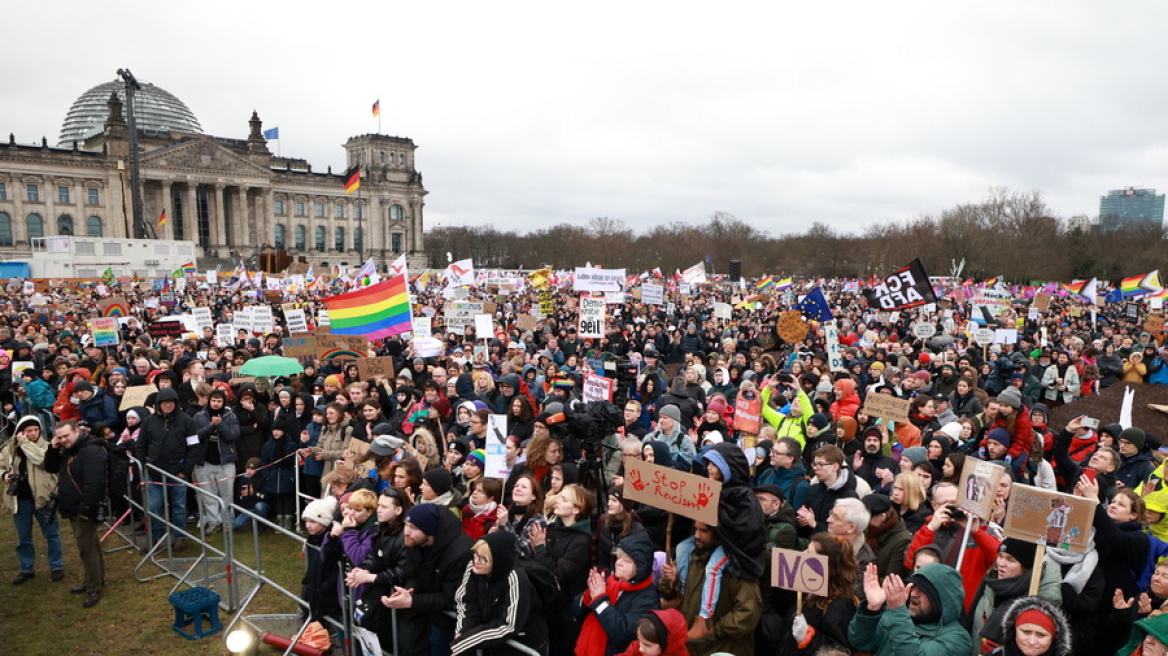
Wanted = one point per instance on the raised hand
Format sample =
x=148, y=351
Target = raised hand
x=873, y=591
x=1119, y=603
x=895, y=591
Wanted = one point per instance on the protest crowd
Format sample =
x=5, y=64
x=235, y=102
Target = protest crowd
x=514, y=471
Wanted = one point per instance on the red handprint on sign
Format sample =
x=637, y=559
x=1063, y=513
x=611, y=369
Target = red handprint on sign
x=704, y=491
x=635, y=479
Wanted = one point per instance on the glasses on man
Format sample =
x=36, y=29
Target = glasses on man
x=779, y=453
x=818, y=464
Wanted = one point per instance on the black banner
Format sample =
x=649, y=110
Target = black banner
x=907, y=287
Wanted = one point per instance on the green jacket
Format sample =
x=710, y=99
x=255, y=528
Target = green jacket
x=1157, y=626
x=785, y=426
x=735, y=617
x=892, y=632
x=891, y=546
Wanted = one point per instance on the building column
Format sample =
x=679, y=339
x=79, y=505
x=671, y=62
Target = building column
x=415, y=238
x=219, y=218
x=190, y=202
x=168, y=205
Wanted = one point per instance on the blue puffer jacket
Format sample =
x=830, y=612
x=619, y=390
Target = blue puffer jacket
x=793, y=482
x=99, y=409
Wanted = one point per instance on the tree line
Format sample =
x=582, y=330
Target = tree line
x=1011, y=234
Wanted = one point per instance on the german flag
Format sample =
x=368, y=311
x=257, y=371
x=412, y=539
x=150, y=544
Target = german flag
x=376, y=108
x=352, y=179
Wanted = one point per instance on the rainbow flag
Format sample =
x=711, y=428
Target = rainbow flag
x=1140, y=285
x=763, y=284
x=784, y=284
x=189, y=269
x=377, y=311
x=1084, y=288
x=990, y=282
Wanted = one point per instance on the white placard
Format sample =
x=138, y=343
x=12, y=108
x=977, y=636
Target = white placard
x=242, y=320
x=984, y=336
x=203, y=319
x=496, y=464
x=652, y=294
x=1033, y=313
x=261, y=319
x=427, y=347
x=1155, y=303
x=684, y=288
x=1006, y=336
x=835, y=355
x=598, y=280
x=212, y=277
x=924, y=330
x=723, y=311
x=598, y=388
x=591, y=317
x=422, y=326
x=296, y=320
x=614, y=298
x=484, y=326
x=322, y=318
x=459, y=314
x=225, y=335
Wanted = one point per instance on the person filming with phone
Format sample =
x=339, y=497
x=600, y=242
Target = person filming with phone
x=1076, y=452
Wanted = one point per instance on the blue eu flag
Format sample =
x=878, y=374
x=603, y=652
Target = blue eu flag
x=814, y=306
x=274, y=133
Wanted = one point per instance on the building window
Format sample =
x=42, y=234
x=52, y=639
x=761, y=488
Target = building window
x=320, y=210
x=65, y=225
x=94, y=197
x=3, y=191
x=340, y=240
x=280, y=207
x=33, y=193
x=320, y=237
x=395, y=213
x=401, y=159
x=280, y=236
x=360, y=212
x=63, y=195
x=395, y=242
x=93, y=226
x=358, y=237
x=340, y=210
x=35, y=225
x=301, y=237
x=300, y=209
x=5, y=229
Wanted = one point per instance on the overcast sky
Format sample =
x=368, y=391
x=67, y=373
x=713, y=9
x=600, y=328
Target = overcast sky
x=530, y=114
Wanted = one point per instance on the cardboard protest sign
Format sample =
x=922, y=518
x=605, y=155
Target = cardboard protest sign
x=354, y=452
x=1048, y=517
x=136, y=395
x=591, y=317
x=373, y=367
x=978, y=485
x=349, y=347
x=1042, y=301
x=924, y=330
x=672, y=490
x=748, y=412
x=886, y=406
x=598, y=388
x=239, y=380
x=496, y=447
x=299, y=345
x=792, y=327
x=1154, y=324
x=799, y=571
x=105, y=331
x=835, y=355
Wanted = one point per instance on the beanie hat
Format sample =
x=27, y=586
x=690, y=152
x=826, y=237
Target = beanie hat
x=1134, y=435
x=877, y=365
x=718, y=406
x=461, y=445
x=771, y=488
x=671, y=411
x=712, y=437
x=916, y=454
x=320, y=511
x=1022, y=551
x=819, y=421
x=1011, y=397
x=333, y=380
x=952, y=430
x=383, y=428
x=424, y=516
x=385, y=445
x=83, y=386
x=439, y=480
x=924, y=358
x=1000, y=435
x=1114, y=430
x=922, y=375
x=478, y=457
x=877, y=504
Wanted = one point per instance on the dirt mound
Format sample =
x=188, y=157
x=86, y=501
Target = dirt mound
x=1105, y=407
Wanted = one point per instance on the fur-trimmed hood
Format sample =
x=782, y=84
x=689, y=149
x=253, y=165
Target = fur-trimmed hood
x=1062, y=634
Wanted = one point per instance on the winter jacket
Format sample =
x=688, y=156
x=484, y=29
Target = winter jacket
x=1070, y=381
x=279, y=471
x=333, y=441
x=1008, y=619
x=793, y=482
x=1110, y=369
x=987, y=616
x=436, y=571
x=1136, y=469
x=892, y=632
x=567, y=554
x=977, y=561
x=19, y=449
x=1123, y=552
x=387, y=560
x=965, y=406
x=736, y=615
x=785, y=426
x=830, y=625
x=617, y=618
x=674, y=642
x=40, y=394
x=821, y=498
x=224, y=436
x=350, y=550
x=681, y=448
x=501, y=606
x=170, y=442
x=82, y=476
x=890, y=546
x=741, y=524
x=849, y=405
x=99, y=409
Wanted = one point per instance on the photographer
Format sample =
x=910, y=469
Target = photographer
x=80, y=460
x=29, y=491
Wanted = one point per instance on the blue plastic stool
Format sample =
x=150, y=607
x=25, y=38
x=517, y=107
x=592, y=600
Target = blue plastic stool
x=196, y=606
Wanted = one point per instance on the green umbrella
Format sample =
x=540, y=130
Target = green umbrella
x=271, y=365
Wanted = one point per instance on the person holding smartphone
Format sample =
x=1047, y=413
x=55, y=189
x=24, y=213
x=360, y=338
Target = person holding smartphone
x=1076, y=452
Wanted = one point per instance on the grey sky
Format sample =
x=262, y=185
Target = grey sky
x=529, y=114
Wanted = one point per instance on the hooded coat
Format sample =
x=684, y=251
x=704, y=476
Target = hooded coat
x=1062, y=644
x=437, y=570
x=497, y=607
x=849, y=404
x=674, y=640
x=19, y=450
x=741, y=525
x=995, y=595
x=1155, y=626
x=792, y=481
x=893, y=632
x=617, y=618
x=81, y=476
x=170, y=441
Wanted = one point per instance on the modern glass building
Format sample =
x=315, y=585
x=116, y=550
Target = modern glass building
x=1124, y=207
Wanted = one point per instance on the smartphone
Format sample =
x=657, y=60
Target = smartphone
x=1089, y=422
x=1089, y=473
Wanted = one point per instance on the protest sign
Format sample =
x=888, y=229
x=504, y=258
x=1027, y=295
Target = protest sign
x=296, y=320
x=354, y=452
x=458, y=315
x=526, y=322
x=792, y=327
x=598, y=280
x=747, y=412
x=349, y=347
x=19, y=366
x=907, y=287
x=496, y=447
x=1154, y=324
x=598, y=388
x=672, y=490
x=984, y=336
x=835, y=355
x=993, y=301
x=322, y=318
x=373, y=367
x=978, y=485
x=923, y=330
x=261, y=318
x=547, y=304
x=422, y=326
x=136, y=395
x=484, y=326
x=224, y=335
x=591, y=317
x=203, y=319
x=300, y=345
x=886, y=406
x=1042, y=301
x=723, y=311
x=652, y=294
x=169, y=328
x=105, y=331
x=1034, y=514
x=799, y=571
x=1005, y=336
x=684, y=288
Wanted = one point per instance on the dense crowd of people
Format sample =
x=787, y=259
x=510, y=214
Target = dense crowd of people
x=385, y=476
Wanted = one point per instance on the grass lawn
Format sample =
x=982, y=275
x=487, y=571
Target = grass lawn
x=41, y=617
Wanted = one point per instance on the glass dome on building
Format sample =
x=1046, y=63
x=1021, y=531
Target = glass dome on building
x=155, y=108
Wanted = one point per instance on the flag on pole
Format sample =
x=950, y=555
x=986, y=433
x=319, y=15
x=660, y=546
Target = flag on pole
x=368, y=273
x=398, y=268
x=352, y=179
x=784, y=284
x=272, y=134
x=763, y=283
x=377, y=312
x=108, y=276
x=376, y=108
x=814, y=306
x=190, y=269
x=162, y=220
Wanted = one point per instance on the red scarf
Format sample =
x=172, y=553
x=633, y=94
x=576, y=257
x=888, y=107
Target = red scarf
x=593, y=641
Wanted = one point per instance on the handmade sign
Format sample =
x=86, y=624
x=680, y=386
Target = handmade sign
x=799, y=571
x=652, y=294
x=422, y=326
x=484, y=326
x=1042, y=302
x=1050, y=518
x=923, y=330
x=300, y=345
x=136, y=395
x=978, y=485
x=588, y=279
x=203, y=318
x=296, y=320
x=591, y=317
x=374, y=367
x=349, y=347
x=1154, y=324
x=792, y=327
x=598, y=388
x=354, y=452
x=672, y=490
x=526, y=322
x=496, y=447
x=105, y=331
x=748, y=412
x=224, y=335
x=458, y=315
x=984, y=336
x=723, y=311
x=835, y=355
x=167, y=329
x=886, y=406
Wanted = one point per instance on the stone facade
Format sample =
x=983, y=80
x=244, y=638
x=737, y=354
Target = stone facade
x=230, y=196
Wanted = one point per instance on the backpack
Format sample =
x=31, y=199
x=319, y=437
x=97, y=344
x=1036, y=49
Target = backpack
x=547, y=589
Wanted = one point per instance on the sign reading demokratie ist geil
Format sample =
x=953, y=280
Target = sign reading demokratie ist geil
x=907, y=287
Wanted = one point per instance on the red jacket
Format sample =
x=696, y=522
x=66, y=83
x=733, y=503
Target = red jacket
x=849, y=405
x=974, y=565
x=674, y=623
x=476, y=526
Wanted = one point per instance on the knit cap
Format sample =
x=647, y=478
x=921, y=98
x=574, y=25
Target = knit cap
x=320, y=511
x=1134, y=435
x=1000, y=435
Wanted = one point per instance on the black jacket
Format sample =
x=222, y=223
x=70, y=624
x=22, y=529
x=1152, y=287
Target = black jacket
x=81, y=476
x=821, y=499
x=170, y=442
x=568, y=554
x=387, y=559
x=685, y=403
x=437, y=570
x=503, y=605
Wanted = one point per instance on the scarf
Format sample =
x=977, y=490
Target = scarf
x=875, y=531
x=489, y=506
x=593, y=640
x=1082, y=564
